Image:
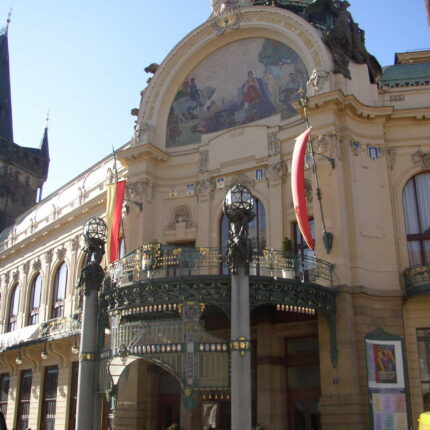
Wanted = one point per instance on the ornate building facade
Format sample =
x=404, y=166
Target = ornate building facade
x=340, y=338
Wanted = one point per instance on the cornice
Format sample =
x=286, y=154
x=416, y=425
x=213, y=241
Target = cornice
x=140, y=153
x=346, y=103
x=54, y=226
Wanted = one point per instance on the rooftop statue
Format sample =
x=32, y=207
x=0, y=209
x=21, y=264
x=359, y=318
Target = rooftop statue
x=221, y=6
x=342, y=35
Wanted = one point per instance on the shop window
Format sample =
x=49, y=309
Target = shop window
x=36, y=290
x=256, y=232
x=49, y=399
x=416, y=207
x=24, y=400
x=60, y=284
x=423, y=340
x=4, y=391
x=13, y=308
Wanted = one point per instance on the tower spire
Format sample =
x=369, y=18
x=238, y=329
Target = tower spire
x=44, y=144
x=6, y=124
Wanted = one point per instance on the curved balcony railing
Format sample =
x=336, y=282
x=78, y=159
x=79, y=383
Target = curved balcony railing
x=417, y=280
x=167, y=261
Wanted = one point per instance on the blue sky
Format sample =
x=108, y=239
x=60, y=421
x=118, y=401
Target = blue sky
x=83, y=61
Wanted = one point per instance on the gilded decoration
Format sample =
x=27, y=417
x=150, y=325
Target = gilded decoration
x=263, y=78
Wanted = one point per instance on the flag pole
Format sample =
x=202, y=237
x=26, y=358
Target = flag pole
x=122, y=220
x=327, y=236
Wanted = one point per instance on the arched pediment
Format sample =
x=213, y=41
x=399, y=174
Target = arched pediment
x=211, y=82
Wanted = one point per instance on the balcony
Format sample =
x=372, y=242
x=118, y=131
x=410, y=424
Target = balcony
x=156, y=278
x=417, y=280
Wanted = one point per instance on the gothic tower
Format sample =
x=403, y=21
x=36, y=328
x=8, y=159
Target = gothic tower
x=23, y=170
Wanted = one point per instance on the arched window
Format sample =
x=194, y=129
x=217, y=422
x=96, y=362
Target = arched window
x=59, y=291
x=36, y=290
x=257, y=230
x=416, y=207
x=13, y=308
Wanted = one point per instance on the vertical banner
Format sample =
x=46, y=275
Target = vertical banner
x=386, y=381
x=115, y=198
x=298, y=187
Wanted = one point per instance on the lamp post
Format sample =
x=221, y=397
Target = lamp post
x=239, y=209
x=91, y=278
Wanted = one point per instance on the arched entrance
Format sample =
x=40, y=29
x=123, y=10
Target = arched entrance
x=148, y=397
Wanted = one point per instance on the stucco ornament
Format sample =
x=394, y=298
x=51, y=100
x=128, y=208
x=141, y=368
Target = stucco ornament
x=318, y=82
x=327, y=144
x=274, y=171
x=227, y=14
x=222, y=6
x=422, y=158
x=137, y=190
x=203, y=188
x=143, y=133
x=273, y=144
x=203, y=161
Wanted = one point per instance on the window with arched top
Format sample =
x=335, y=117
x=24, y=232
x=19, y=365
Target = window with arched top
x=60, y=283
x=34, y=304
x=256, y=232
x=416, y=207
x=13, y=308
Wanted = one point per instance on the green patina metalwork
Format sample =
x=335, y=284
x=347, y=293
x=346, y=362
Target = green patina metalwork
x=160, y=292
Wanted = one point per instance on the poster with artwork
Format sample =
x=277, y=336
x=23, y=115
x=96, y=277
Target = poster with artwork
x=242, y=82
x=386, y=381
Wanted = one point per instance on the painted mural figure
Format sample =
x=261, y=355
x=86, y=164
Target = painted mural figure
x=255, y=99
x=261, y=80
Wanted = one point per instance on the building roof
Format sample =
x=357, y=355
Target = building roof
x=6, y=128
x=406, y=75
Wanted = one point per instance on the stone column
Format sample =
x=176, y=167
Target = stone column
x=241, y=401
x=87, y=364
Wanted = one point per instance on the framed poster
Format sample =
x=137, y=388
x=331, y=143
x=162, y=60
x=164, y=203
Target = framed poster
x=388, y=397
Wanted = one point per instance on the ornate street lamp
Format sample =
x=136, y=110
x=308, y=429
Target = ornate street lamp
x=91, y=278
x=239, y=209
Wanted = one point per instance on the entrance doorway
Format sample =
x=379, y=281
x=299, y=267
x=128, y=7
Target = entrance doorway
x=303, y=382
x=169, y=401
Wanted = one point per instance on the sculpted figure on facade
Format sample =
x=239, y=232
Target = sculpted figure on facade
x=342, y=35
x=143, y=133
x=318, y=81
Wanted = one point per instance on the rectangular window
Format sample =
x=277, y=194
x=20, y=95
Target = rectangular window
x=24, y=397
x=4, y=393
x=73, y=395
x=423, y=340
x=49, y=399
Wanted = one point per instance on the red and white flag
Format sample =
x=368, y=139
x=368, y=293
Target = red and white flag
x=298, y=187
x=115, y=198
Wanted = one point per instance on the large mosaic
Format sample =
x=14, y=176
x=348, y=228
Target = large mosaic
x=240, y=83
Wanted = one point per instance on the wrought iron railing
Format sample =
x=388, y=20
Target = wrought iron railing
x=417, y=280
x=167, y=261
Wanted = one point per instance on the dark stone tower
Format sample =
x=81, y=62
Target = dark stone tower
x=23, y=171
